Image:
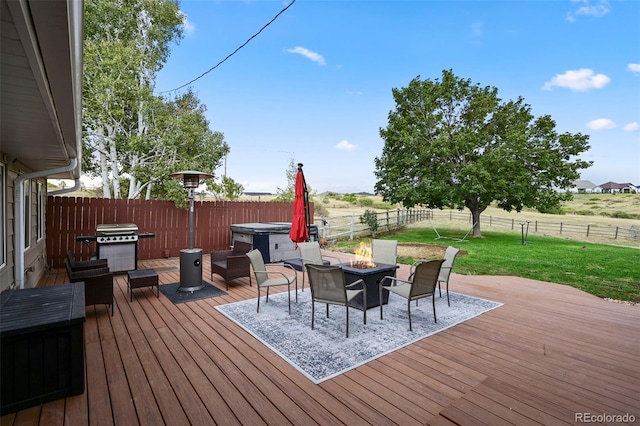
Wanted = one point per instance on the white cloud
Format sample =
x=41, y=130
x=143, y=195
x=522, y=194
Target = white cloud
x=596, y=9
x=578, y=80
x=188, y=26
x=315, y=57
x=477, y=28
x=345, y=146
x=601, y=124
x=635, y=68
x=632, y=127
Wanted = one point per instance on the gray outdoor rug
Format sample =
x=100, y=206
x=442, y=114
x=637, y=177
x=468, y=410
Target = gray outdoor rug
x=325, y=352
x=209, y=290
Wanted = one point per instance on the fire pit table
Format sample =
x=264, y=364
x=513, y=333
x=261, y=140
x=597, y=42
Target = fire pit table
x=371, y=275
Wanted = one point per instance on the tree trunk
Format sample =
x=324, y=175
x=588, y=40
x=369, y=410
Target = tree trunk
x=476, y=208
x=115, y=173
x=104, y=166
x=475, y=217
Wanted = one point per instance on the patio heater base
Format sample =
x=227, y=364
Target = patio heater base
x=190, y=270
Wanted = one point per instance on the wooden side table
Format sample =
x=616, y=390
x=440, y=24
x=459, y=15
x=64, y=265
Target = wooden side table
x=142, y=278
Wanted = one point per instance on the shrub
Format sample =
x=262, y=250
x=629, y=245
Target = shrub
x=365, y=201
x=350, y=198
x=382, y=206
x=625, y=215
x=551, y=210
x=370, y=218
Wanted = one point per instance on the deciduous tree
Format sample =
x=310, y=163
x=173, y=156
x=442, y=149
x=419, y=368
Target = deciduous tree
x=451, y=143
x=128, y=131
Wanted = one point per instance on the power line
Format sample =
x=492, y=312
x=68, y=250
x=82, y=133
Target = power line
x=235, y=51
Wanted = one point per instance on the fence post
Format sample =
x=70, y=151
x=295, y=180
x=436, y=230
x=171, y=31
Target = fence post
x=616, y=236
x=388, y=225
x=353, y=220
x=588, y=226
x=512, y=223
x=560, y=228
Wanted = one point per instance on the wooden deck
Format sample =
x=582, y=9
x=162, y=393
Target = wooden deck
x=550, y=353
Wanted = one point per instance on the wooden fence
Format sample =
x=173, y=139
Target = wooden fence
x=351, y=227
x=69, y=218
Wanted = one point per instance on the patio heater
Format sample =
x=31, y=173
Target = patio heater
x=190, y=258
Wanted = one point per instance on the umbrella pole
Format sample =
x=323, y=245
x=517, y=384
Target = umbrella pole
x=307, y=217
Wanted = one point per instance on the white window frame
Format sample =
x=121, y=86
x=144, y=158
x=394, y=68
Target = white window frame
x=27, y=213
x=41, y=213
x=3, y=209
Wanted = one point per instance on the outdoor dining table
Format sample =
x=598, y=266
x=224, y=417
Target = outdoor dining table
x=371, y=277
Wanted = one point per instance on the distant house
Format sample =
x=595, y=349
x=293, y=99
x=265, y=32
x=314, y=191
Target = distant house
x=612, y=188
x=585, y=186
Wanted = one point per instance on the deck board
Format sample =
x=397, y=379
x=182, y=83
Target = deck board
x=551, y=351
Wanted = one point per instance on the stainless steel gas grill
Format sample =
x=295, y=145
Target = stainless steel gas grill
x=118, y=243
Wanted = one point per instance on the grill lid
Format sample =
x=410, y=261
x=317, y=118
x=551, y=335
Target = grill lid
x=116, y=229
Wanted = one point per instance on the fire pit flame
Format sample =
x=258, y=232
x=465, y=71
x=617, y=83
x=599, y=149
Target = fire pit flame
x=364, y=258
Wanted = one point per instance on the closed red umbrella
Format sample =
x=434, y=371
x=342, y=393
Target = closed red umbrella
x=299, y=226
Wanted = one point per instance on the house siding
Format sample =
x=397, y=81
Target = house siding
x=35, y=255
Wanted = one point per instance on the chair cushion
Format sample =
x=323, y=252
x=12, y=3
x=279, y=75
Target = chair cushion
x=221, y=264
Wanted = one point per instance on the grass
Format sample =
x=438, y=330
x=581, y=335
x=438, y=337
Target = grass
x=602, y=270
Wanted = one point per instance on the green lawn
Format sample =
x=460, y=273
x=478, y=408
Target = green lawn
x=602, y=270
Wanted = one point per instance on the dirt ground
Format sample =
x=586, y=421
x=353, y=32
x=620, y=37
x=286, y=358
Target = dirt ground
x=417, y=251
x=421, y=251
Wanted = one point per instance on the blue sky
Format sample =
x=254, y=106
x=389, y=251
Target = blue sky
x=315, y=85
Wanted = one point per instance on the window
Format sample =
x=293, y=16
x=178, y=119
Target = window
x=3, y=206
x=41, y=211
x=27, y=213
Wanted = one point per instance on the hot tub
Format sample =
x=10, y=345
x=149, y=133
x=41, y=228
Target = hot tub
x=271, y=238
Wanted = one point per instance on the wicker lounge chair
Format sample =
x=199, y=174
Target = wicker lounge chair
x=98, y=285
x=81, y=265
x=232, y=264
